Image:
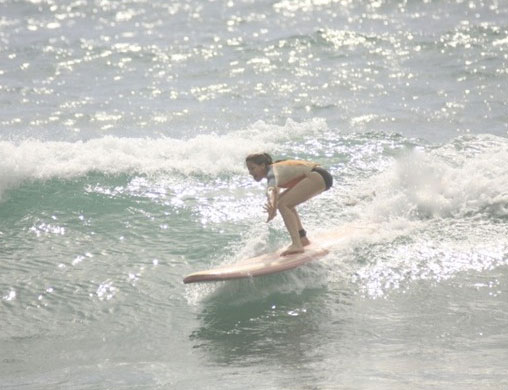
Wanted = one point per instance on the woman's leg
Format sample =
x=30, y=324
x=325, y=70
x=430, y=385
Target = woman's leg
x=304, y=240
x=309, y=187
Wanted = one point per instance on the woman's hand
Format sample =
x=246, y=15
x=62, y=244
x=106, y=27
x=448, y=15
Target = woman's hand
x=272, y=212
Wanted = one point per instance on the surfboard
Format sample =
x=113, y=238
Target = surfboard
x=270, y=263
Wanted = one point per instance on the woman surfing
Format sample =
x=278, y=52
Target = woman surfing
x=301, y=181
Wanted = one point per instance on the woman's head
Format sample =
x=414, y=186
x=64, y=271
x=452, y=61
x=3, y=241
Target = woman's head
x=259, y=158
x=257, y=164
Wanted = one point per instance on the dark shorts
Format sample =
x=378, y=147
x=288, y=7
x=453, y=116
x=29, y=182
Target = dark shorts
x=326, y=177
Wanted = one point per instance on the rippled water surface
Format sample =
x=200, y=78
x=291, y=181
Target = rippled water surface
x=123, y=131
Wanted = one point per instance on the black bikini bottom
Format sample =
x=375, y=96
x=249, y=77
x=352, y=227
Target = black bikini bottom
x=326, y=177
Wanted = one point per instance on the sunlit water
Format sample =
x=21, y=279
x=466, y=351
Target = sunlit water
x=123, y=131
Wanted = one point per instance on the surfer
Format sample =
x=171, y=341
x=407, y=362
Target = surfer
x=301, y=180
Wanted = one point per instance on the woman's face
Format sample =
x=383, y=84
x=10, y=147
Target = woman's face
x=258, y=172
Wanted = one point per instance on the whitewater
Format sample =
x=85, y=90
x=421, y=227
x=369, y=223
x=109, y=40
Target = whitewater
x=124, y=126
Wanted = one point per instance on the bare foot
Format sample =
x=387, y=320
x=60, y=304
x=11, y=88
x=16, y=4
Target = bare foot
x=292, y=249
x=305, y=241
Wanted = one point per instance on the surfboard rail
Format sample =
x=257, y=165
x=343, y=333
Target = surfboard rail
x=257, y=266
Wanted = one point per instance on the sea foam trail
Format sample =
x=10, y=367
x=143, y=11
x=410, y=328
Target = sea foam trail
x=208, y=154
x=464, y=178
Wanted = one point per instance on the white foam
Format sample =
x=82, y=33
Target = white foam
x=208, y=154
x=440, y=203
x=445, y=182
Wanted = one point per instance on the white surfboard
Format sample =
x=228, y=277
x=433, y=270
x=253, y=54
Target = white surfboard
x=273, y=262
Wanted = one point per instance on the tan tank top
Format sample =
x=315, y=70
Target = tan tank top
x=286, y=174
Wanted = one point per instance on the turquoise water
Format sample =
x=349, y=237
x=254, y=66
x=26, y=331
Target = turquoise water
x=123, y=132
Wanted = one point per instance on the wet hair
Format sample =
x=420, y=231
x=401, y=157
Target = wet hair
x=259, y=158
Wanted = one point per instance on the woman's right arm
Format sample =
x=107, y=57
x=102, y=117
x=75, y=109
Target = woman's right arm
x=271, y=205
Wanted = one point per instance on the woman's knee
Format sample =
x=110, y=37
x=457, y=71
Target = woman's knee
x=281, y=206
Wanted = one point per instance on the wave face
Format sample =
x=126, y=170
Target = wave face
x=124, y=125
x=98, y=234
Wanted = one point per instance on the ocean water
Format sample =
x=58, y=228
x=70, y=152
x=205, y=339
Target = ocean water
x=123, y=131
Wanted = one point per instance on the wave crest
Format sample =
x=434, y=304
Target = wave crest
x=208, y=154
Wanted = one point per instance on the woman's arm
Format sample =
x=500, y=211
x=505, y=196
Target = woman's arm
x=271, y=205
